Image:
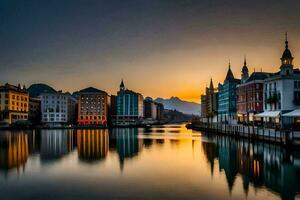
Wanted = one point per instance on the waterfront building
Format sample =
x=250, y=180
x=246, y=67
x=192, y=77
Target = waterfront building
x=227, y=98
x=211, y=102
x=92, y=107
x=130, y=107
x=203, y=106
x=160, y=111
x=72, y=109
x=250, y=94
x=34, y=114
x=150, y=109
x=14, y=101
x=54, y=108
x=282, y=93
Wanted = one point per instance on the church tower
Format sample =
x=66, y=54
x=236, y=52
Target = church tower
x=286, y=67
x=245, y=71
x=229, y=75
x=122, y=86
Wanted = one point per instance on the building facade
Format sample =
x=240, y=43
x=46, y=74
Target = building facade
x=14, y=103
x=250, y=95
x=34, y=114
x=54, y=108
x=160, y=111
x=203, y=106
x=211, y=102
x=130, y=107
x=227, y=98
x=282, y=92
x=150, y=109
x=92, y=107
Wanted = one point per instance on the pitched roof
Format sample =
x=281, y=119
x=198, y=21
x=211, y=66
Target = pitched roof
x=91, y=90
x=258, y=76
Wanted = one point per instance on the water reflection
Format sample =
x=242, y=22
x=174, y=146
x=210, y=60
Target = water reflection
x=55, y=144
x=260, y=166
x=127, y=143
x=13, y=150
x=92, y=145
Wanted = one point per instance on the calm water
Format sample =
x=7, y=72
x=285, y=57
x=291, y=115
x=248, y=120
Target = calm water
x=167, y=162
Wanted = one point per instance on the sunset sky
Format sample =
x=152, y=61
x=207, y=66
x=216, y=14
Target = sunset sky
x=161, y=48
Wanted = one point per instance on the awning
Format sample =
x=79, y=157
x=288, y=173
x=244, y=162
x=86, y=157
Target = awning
x=268, y=114
x=294, y=113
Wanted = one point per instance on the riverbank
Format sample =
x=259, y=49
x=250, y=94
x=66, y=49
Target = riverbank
x=283, y=137
x=35, y=127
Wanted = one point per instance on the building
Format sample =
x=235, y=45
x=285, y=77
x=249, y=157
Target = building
x=160, y=111
x=250, y=94
x=34, y=114
x=203, y=106
x=72, y=109
x=92, y=107
x=211, y=102
x=227, y=98
x=130, y=107
x=150, y=109
x=54, y=108
x=282, y=93
x=14, y=103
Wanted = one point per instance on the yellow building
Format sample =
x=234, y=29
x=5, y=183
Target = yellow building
x=14, y=102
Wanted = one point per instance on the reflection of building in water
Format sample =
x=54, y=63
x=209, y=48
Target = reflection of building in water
x=34, y=138
x=56, y=143
x=260, y=164
x=13, y=150
x=127, y=143
x=211, y=152
x=92, y=144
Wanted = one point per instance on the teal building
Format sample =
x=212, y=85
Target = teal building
x=227, y=98
x=130, y=106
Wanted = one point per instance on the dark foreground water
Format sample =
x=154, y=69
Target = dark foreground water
x=167, y=162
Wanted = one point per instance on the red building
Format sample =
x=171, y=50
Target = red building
x=92, y=107
x=250, y=96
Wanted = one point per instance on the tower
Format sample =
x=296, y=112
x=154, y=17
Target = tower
x=245, y=71
x=122, y=86
x=229, y=75
x=286, y=67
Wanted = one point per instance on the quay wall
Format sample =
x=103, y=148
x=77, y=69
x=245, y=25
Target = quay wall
x=284, y=137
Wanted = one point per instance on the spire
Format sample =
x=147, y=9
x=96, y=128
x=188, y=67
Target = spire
x=286, y=57
x=245, y=71
x=229, y=73
x=286, y=41
x=211, y=86
x=122, y=86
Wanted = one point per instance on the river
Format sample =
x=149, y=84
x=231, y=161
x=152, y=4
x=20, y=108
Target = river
x=162, y=162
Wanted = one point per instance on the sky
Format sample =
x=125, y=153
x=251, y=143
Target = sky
x=161, y=48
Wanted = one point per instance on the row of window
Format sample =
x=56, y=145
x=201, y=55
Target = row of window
x=53, y=102
x=91, y=117
x=54, y=97
x=17, y=97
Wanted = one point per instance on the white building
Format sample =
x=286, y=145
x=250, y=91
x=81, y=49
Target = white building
x=282, y=92
x=54, y=108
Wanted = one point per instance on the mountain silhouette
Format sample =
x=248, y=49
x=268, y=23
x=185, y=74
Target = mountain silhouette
x=175, y=103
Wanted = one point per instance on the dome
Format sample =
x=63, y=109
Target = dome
x=287, y=57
